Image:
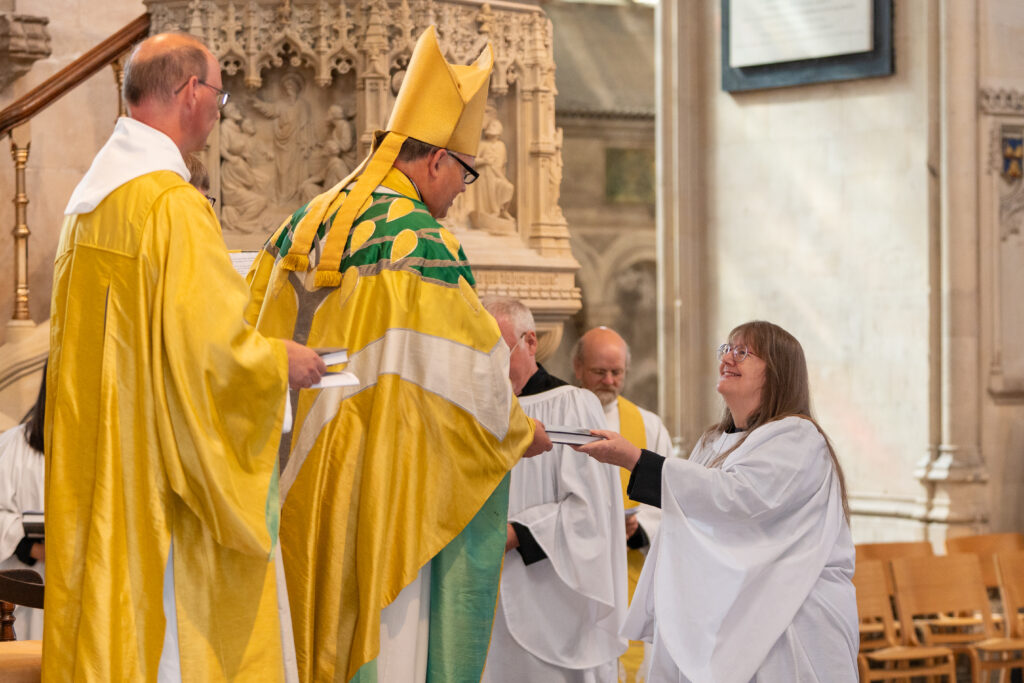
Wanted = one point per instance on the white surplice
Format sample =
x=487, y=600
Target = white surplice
x=559, y=618
x=21, y=490
x=749, y=578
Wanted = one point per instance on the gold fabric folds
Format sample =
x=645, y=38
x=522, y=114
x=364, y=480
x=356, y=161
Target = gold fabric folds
x=631, y=422
x=163, y=419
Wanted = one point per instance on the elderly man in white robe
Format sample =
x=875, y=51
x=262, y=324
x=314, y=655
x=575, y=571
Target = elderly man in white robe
x=600, y=361
x=563, y=584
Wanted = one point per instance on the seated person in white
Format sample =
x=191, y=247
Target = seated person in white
x=21, y=490
x=562, y=600
x=750, y=577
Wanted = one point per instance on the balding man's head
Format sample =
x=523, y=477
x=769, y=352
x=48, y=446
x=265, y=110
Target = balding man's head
x=599, y=360
x=172, y=83
x=162, y=63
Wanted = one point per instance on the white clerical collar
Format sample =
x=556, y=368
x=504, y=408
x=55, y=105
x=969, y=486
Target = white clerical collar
x=134, y=149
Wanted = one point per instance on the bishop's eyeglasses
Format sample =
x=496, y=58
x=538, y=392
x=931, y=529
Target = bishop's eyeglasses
x=470, y=175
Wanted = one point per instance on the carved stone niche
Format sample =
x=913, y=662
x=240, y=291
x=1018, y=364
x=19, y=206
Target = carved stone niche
x=311, y=80
x=23, y=40
x=1002, y=216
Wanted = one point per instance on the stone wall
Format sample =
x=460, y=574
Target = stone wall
x=65, y=138
x=818, y=215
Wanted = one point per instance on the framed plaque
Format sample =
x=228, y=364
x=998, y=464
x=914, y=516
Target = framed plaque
x=780, y=43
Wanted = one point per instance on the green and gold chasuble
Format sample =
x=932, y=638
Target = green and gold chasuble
x=410, y=466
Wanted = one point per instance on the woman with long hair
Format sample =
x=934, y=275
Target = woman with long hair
x=21, y=490
x=750, y=577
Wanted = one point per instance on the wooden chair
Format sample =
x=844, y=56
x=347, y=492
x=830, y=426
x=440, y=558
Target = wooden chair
x=985, y=546
x=890, y=551
x=1010, y=570
x=953, y=585
x=883, y=658
x=20, y=660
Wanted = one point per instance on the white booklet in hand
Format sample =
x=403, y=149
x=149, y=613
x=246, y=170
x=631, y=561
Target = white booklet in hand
x=333, y=356
x=571, y=435
x=336, y=379
x=340, y=378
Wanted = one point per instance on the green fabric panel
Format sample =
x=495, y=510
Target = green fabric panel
x=375, y=251
x=464, y=579
x=367, y=673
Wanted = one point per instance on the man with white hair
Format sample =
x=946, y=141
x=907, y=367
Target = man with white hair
x=600, y=361
x=563, y=583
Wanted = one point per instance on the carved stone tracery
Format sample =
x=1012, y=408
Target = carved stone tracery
x=353, y=54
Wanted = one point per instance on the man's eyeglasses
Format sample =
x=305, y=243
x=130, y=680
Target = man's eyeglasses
x=222, y=96
x=471, y=173
x=739, y=352
x=212, y=200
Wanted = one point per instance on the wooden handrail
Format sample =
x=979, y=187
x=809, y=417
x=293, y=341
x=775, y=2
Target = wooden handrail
x=47, y=92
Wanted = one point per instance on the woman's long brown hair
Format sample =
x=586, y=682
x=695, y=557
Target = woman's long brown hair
x=786, y=391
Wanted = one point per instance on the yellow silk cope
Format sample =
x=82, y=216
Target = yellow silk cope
x=393, y=470
x=631, y=424
x=163, y=419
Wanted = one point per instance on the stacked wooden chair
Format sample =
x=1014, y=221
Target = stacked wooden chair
x=885, y=657
x=943, y=602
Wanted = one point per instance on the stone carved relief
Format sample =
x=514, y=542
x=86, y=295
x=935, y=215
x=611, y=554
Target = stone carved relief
x=485, y=204
x=1002, y=223
x=292, y=134
x=243, y=183
x=321, y=77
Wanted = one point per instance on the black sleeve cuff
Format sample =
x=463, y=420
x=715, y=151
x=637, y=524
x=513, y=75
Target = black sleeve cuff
x=528, y=548
x=645, y=481
x=638, y=540
x=24, y=550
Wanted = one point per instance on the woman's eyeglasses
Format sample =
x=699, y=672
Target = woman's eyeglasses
x=739, y=352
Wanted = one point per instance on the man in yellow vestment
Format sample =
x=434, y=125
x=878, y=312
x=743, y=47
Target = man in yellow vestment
x=396, y=490
x=600, y=362
x=164, y=410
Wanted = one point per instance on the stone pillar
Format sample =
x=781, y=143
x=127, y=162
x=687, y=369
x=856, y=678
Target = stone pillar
x=955, y=472
x=372, y=98
x=684, y=351
x=546, y=229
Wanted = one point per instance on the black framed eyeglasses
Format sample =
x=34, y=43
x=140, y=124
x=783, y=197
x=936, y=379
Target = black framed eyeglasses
x=212, y=200
x=222, y=95
x=471, y=174
x=739, y=352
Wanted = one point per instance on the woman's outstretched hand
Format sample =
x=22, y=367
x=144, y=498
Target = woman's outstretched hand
x=612, y=449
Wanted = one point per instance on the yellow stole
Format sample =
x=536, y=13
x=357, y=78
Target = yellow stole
x=631, y=426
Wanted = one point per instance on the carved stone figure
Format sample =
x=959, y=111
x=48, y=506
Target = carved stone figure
x=485, y=203
x=243, y=187
x=292, y=135
x=341, y=130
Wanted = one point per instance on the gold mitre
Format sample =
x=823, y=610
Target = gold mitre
x=439, y=103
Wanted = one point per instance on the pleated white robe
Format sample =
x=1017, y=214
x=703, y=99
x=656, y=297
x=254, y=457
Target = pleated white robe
x=559, y=618
x=749, y=578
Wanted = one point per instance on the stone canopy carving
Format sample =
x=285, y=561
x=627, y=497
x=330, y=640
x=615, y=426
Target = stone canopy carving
x=23, y=40
x=311, y=80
